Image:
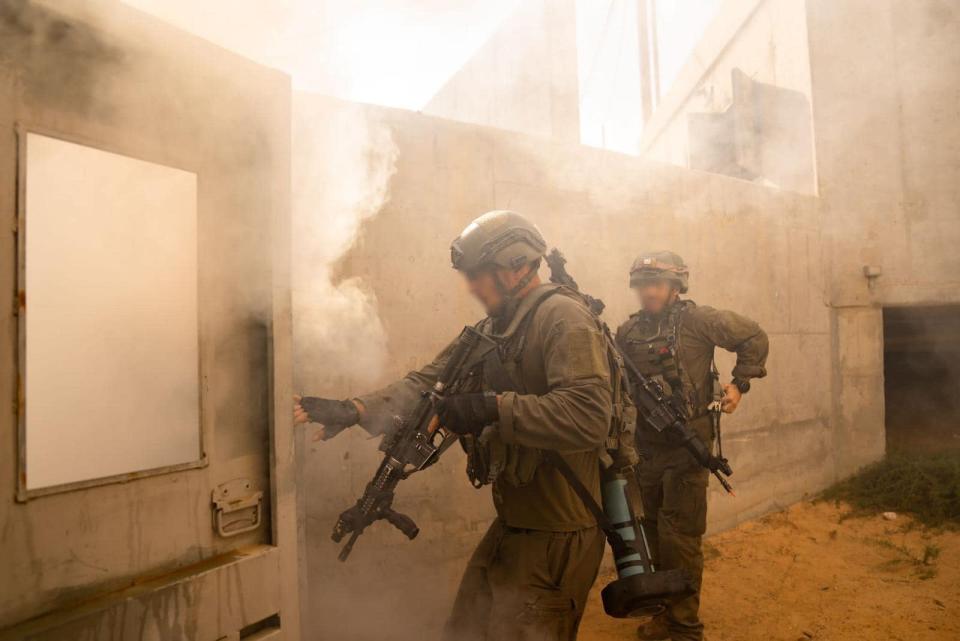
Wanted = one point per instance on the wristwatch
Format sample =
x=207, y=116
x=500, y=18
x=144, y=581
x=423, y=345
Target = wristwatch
x=741, y=384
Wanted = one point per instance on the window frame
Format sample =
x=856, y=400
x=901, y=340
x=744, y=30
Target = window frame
x=23, y=494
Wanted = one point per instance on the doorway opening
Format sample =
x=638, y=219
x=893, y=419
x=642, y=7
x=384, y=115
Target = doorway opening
x=921, y=367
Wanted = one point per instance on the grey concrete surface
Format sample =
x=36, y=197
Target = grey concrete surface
x=106, y=75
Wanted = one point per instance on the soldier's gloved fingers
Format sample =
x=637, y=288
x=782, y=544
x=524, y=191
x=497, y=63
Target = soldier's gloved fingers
x=331, y=413
x=452, y=416
x=468, y=413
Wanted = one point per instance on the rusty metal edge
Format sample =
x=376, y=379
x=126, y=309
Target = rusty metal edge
x=20, y=133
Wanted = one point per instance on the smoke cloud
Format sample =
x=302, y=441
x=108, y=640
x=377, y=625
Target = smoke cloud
x=342, y=165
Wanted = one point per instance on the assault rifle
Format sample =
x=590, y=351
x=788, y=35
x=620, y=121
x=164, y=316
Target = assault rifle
x=416, y=444
x=659, y=410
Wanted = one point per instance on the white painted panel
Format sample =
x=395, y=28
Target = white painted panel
x=112, y=381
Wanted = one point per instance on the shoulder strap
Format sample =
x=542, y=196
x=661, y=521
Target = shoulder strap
x=619, y=546
x=675, y=320
x=589, y=502
x=496, y=375
x=528, y=308
x=618, y=385
x=614, y=362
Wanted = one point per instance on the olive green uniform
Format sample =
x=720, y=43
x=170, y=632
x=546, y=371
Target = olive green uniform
x=676, y=348
x=530, y=575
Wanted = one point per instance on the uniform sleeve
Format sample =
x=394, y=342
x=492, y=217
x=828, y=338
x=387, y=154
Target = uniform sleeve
x=574, y=415
x=399, y=397
x=735, y=333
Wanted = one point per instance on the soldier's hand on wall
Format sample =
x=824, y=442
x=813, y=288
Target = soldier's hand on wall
x=731, y=398
x=334, y=415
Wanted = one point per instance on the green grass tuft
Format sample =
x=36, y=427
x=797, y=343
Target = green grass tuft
x=926, y=486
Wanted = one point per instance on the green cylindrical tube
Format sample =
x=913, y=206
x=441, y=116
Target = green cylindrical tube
x=617, y=509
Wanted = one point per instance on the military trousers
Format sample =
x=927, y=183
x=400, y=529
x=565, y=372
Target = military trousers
x=526, y=585
x=673, y=488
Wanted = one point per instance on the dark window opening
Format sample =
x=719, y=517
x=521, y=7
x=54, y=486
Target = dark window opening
x=921, y=366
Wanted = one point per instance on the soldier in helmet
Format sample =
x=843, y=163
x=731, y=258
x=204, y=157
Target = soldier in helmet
x=672, y=340
x=549, y=388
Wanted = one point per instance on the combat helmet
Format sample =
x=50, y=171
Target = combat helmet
x=497, y=239
x=657, y=265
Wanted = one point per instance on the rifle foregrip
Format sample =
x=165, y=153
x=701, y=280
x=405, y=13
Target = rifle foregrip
x=403, y=523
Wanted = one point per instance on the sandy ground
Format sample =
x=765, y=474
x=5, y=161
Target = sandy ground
x=807, y=574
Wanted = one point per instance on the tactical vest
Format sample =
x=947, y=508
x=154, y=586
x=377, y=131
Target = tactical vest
x=488, y=457
x=652, y=343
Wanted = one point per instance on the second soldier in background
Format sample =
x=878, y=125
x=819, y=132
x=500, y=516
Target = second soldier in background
x=673, y=341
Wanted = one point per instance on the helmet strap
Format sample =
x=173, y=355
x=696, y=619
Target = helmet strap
x=522, y=283
x=501, y=288
x=511, y=292
x=509, y=295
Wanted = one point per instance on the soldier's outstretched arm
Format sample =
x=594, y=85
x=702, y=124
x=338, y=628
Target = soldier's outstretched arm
x=375, y=411
x=400, y=397
x=574, y=415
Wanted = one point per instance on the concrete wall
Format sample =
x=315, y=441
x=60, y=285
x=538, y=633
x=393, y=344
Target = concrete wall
x=110, y=77
x=524, y=78
x=887, y=146
x=886, y=82
x=750, y=248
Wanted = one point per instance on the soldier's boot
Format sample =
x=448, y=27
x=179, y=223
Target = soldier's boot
x=655, y=629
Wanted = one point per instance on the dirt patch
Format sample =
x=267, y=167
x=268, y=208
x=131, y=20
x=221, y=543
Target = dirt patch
x=809, y=573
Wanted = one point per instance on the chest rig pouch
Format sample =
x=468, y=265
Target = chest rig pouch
x=653, y=346
x=488, y=457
